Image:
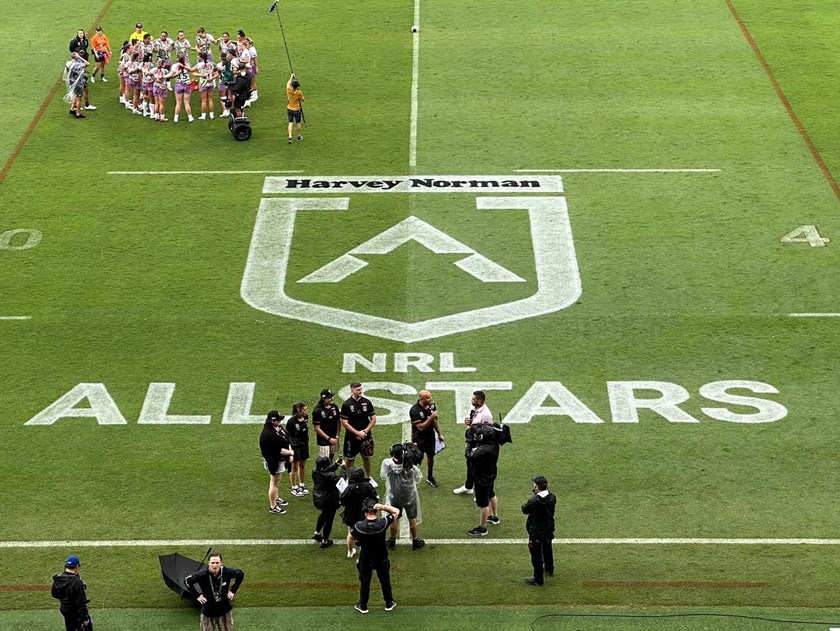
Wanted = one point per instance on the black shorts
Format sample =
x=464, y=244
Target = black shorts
x=274, y=467
x=294, y=115
x=301, y=453
x=353, y=447
x=427, y=447
x=99, y=55
x=483, y=495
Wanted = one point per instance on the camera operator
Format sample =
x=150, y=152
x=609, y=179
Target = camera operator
x=424, y=429
x=325, y=496
x=241, y=90
x=482, y=457
x=215, y=587
x=70, y=591
x=353, y=499
x=401, y=477
x=479, y=415
x=369, y=533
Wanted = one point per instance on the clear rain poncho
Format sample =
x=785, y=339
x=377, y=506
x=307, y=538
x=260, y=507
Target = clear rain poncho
x=401, y=485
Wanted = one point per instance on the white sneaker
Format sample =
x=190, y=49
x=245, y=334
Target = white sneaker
x=351, y=553
x=254, y=96
x=104, y=80
x=225, y=114
x=90, y=107
x=202, y=117
x=122, y=100
x=93, y=78
x=247, y=103
x=174, y=119
x=461, y=490
x=135, y=111
x=211, y=115
x=190, y=118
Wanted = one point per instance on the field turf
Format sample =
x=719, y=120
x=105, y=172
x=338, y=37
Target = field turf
x=686, y=280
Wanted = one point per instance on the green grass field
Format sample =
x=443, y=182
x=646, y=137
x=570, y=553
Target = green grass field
x=686, y=289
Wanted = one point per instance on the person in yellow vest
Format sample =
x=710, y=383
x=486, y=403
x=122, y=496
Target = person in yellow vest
x=137, y=35
x=295, y=106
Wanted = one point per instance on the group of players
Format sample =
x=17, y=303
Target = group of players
x=150, y=68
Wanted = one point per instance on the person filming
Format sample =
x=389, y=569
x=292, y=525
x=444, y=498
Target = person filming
x=401, y=476
x=69, y=589
x=240, y=89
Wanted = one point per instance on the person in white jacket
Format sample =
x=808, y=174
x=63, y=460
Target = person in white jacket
x=401, y=476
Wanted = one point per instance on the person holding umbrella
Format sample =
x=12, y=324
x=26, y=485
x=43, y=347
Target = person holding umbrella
x=215, y=588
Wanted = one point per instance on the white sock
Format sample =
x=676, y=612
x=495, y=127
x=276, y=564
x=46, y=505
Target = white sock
x=175, y=118
x=190, y=117
x=211, y=115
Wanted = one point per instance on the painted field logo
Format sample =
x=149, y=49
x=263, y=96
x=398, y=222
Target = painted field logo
x=557, y=276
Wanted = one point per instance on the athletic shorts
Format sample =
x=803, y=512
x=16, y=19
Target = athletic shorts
x=301, y=453
x=161, y=93
x=99, y=55
x=294, y=115
x=409, y=510
x=274, y=467
x=183, y=88
x=147, y=87
x=205, y=88
x=483, y=495
x=327, y=451
x=353, y=447
x=427, y=447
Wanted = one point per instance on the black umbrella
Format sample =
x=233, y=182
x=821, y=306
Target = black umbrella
x=174, y=568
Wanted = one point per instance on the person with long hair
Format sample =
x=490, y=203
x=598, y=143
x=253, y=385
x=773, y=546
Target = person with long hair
x=276, y=452
x=122, y=71
x=160, y=91
x=135, y=81
x=101, y=54
x=207, y=74
x=204, y=42
x=325, y=498
x=180, y=71
x=163, y=49
x=298, y=428
x=147, y=85
x=182, y=46
x=327, y=426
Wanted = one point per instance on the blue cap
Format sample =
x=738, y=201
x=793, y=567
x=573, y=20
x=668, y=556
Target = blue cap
x=72, y=561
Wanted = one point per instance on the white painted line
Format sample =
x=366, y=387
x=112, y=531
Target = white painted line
x=15, y=317
x=159, y=543
x=814, y=315
x=197, y=172
x=415, y=74
x=617, y=170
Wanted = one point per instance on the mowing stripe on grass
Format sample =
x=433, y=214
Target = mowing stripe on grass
x=617, y=170
x=415, y=75
x=196, y=172
x=158, y=543
x=788, y=107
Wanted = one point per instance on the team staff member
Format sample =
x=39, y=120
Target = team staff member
x=358, y=417
x=70, y=591
x=215, y=588
x=298, y=429
x=325, y=420
x=325, y=496
x=295, y=106
x=540, y=526
x=275, y=450
x=424, y=428
x=370, y=536
x=138, y=34
x=479, y=415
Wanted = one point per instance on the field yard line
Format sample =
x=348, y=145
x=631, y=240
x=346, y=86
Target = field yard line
x=814, y=315
x=196, y=172
x=15, y=317
x=777, y=88
x=415, y=74
x=158, y=543
x=617, y=170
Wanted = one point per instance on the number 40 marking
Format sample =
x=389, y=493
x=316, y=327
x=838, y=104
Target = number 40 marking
x=806, y=234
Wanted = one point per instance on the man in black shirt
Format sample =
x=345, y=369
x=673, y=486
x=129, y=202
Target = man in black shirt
x=358, y=417
x=370, y=537
x=325, y=421
x=69, y=590
x=424, y=428
x=540, y=525
x=214, y=588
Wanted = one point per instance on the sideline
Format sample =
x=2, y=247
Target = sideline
x=616, y=170
x=788, y=107
x=196, y=172
x=40, y=113
x=661, y=541
x=415, y=76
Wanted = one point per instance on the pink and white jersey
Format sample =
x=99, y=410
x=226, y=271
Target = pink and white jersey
x=181, y=73
x=147, y=69
x=182, y=48
x=205, y=73
x=163, y=48
x=202, y=44
x=159, y=77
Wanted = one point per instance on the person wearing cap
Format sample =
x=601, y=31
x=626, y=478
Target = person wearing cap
x=369, y=534
x=276, y=452
x=214, y=588
x=327, y=426
x=359, y=489
x=540, y=526
x=138, y=34
x=358, y=416
x=70, y=591
x=424, y=430
x=294, y=109
x=298, y=429
x=401, y=476
x=101, y=54
x=325, y=497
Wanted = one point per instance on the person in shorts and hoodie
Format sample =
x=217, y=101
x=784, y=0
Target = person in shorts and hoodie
x=276, y=452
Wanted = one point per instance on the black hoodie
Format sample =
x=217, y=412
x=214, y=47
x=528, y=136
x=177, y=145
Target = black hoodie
x=353, y=499
x=69, y=589
x=540, y=511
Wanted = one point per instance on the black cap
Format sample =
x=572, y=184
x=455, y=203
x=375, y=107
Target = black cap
x=326, y=393
x=274, y=415
x=541, y=482
x=356, y=384
x=369, y=504
x=138, y=25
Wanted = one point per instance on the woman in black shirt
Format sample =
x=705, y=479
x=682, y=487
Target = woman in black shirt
x=298, y=428
x=277, y=454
